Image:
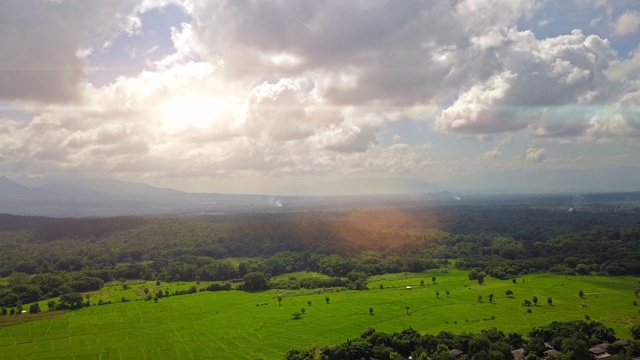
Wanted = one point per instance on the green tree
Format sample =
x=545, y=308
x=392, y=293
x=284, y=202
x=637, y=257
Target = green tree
x=441, y=353
x=4, y=311
x=302, y=310
x=635, y=331
x=255, y=281
x=636, y=291
x=279, y=300
x=309, y=302
x=481, y=278
x=18, y=278
x=509, y=293
x=34, y=308
x=490, y=298
x=51, y=305
x=576, y=348
x=479, y=298
x=296, y=316
x=326, y=299
x=549, y=301
x=587, y=317
x=296, y=354
x=582, y=269
x=448, y=293
x=581, y=294
x=407, y=308
x=526, y=302
x=433, y=279
x=146, y=290
x=514, y=280
x=438, y=294
x=535, y=300
x=370, y=310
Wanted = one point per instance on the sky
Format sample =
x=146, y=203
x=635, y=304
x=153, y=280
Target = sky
x=252, y=96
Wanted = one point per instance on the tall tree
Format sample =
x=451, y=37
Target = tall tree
x=481, y=278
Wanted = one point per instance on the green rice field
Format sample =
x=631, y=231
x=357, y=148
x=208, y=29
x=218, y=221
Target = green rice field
x=243, y=325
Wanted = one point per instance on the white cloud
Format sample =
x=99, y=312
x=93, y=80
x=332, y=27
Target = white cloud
x=496, y=151
x=536, y=154
x=42, y=39
x=627, y=23
x=301, y=87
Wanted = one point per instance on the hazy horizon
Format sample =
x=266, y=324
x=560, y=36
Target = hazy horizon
x=256, y=97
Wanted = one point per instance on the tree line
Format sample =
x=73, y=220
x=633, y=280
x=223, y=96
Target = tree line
x=558, y=340
x=79, y=255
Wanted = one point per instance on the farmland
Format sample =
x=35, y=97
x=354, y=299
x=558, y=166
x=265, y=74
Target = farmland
x=242, y=325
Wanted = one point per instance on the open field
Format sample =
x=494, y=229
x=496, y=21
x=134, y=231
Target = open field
x=241, y=325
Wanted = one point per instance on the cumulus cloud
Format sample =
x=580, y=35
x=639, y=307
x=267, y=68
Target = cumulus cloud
x=536, y=154
x=541, y=81
x=44, y=43
x=300, y=87
x=496, y=151
x=627, y=23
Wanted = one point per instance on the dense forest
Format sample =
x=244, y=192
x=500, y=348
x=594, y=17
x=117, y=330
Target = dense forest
x=574, y=340
x=48, y=257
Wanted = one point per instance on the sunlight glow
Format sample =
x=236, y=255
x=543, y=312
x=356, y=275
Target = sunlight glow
x=193, y=110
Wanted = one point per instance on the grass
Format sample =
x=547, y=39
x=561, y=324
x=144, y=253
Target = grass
x=242, y=325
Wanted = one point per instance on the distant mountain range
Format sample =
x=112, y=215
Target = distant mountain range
x=551, y=181
x=107, y=197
